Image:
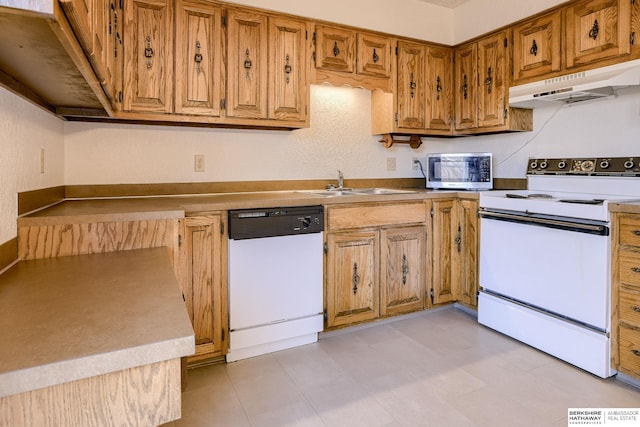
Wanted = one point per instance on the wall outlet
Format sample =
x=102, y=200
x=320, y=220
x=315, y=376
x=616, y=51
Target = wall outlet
x=391, y=164
x=415, y=163
x=198, y=163
x=42, y=160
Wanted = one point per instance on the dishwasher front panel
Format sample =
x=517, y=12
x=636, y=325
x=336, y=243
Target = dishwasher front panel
x=274, y=279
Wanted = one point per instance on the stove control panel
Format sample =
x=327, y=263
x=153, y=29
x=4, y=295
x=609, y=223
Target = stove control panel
x=603, y=166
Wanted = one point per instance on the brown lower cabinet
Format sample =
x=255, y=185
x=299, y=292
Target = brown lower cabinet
x=375, y=261
x=625, y=335
x=202, y=274
x=454, y=246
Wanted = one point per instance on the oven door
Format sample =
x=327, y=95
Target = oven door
x=553, y=265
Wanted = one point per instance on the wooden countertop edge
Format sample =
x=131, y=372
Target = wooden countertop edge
x=629, y=207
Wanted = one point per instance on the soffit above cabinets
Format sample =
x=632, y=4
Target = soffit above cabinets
x=451, y=4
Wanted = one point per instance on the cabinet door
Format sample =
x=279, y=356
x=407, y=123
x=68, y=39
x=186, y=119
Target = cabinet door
x=402, y=270
x=247, y=67
x=466, y=75
x=198, y=58
x=352, y=277
x=466, y=251
x=439, y=88
x=597, y=29
x=443, y=241
x=411, y=85
x=536, y=46
x=80, y=15
x=148, y=56
x=202, y=283
x=492, y=79
x=335, y=48
x=374, y=55
x=288, y=77
x=113, y=49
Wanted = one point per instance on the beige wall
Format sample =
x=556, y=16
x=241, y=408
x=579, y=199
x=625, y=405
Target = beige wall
x=24, y=130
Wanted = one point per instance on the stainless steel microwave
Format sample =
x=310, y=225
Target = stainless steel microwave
x=460, y=171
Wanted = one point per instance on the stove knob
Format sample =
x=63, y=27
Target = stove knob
x=534, y=164
x=306, y=222
x=604, y=164
x=562, y=164
x=543, y=165
x=628, y=164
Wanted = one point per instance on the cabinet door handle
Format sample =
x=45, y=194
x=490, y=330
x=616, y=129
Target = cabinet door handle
x=534, y=48
x=287, y=68
x=464, y=87
x=636, y=352
x=412, y=85
x=635, y=269
x=336, y=49
x=198, y=57
x=593, y=33
x=438, y=87
x=458, y=239
x=148, y=51
x=247, y=63
x=489, y=80
x=635, y=308
x=405, y=269
x=356, y=278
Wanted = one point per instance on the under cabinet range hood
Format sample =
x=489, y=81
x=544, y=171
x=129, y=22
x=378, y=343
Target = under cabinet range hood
x=577, y=87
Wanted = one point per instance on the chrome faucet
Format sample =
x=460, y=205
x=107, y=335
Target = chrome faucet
x=340, y=179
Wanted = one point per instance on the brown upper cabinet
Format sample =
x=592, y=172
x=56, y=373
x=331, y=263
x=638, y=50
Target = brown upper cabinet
x=536, y=46
x=597, y=30
x=357, y=58
x=198, y=58
x=482, y=83
x=421, y=101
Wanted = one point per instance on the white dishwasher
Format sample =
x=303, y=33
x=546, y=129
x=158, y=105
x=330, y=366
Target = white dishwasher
x=275, y=279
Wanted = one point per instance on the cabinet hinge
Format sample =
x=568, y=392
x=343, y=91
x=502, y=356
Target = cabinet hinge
x=179, y=240
x=121, y=5
x=119, y=96
x=326, y=248
x=222, y=228
x=506, y=112
x=396, y=50
x=432, y=214
x=633, y=1
x=306, y=35
x=224, y=334
x=224, y=20
x=397, y=117
x=632, y=38
x=313, y=38
x=223, y=104
x=506, y=42
x=183, y=298
x=431, y=294
x=313, y=57
x=326, y=316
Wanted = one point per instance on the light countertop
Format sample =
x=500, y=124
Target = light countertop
x=69, y=318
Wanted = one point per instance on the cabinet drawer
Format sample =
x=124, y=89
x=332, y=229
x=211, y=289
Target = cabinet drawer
x=354, y=216
x=629, y=268
x=629, y=306
x=629, y=229
x=630, y=350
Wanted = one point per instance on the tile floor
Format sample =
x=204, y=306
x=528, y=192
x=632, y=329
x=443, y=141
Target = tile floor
x=438, y=368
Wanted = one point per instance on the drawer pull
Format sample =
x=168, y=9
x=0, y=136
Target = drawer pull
x=636, y=352
x=635, y=308
x=636, y=232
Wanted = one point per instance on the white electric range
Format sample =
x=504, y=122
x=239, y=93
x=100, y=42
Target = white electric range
x=545, y=257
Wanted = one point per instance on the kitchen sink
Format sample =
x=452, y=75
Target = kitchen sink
x=335, y=192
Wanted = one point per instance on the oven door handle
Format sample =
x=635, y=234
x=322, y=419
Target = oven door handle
x=596, y=229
